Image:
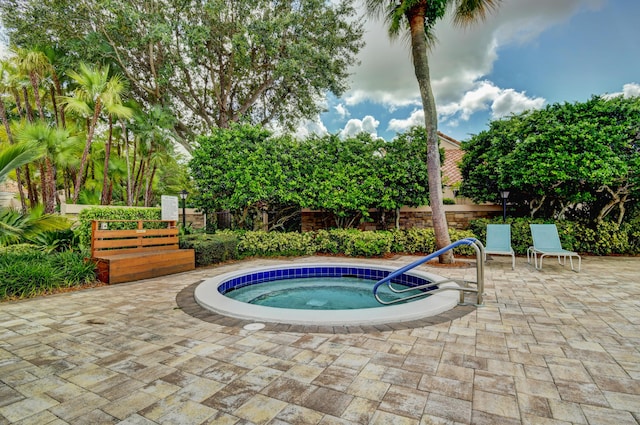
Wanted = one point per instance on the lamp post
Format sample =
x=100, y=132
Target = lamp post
x=183, y=196
x=504, y=194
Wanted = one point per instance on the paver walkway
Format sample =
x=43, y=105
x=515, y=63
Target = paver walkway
x=548, y=347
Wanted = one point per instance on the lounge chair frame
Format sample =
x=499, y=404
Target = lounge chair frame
x=499, y=242
x=546, y=242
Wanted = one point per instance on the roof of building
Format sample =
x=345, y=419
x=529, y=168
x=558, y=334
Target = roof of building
x=452, y=158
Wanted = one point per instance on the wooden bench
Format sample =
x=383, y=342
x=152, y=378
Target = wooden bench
x=139, y=252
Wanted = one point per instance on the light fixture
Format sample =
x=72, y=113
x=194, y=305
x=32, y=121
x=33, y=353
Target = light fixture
x=504, y=194
x=183, y=196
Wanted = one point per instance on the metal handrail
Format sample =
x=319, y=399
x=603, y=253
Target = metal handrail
x=479, y=248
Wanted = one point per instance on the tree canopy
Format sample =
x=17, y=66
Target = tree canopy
x=576, y=160
x=211, y=62
x=247, y=170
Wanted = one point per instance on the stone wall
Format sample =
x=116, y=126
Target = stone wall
x=458, y=217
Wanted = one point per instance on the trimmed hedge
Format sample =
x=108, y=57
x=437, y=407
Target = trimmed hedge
x=83, y=230
x=603, y=238
x=229, y=245
x=211, y=249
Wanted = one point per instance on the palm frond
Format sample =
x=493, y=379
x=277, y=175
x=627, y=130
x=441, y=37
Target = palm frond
x=15, y=156
x=467, y=12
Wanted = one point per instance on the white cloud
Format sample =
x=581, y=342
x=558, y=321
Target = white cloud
x=486, y=96
x=510, y=101
x=483, y=97
x=342, y=111
x=631, y=90
x=309, y=127
x=459, y=61
x=628, y=90
x=402, y=125
x=355, y=126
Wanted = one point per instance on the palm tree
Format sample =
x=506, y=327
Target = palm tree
x=419, y=17
x=14, y=226
x=34, y=64
x=95, y=91
x=8, y=74
x=17, y=155
x=59, y=145
x=114, y=109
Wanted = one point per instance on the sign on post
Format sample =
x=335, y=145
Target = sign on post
x=169, y=207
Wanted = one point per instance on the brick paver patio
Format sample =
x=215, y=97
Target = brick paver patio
x=548, y=347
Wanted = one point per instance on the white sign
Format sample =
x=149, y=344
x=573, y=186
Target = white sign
x=169, y=207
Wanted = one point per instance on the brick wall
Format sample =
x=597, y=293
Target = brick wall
x=458, y=217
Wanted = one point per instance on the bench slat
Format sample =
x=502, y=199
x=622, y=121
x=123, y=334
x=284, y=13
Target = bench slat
x=139, y=242
x=133, y=254
x=133, y=233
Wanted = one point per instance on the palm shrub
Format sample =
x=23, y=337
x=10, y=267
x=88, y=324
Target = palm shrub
x=26, y=271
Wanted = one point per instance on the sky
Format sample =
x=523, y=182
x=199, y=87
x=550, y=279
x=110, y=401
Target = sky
x=527, y=54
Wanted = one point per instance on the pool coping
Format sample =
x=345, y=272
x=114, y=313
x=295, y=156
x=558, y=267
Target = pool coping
x=207, y=296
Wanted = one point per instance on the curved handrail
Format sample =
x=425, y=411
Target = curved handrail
x=479, y=248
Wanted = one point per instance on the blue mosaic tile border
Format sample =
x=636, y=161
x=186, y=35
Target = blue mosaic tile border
x=305, y=272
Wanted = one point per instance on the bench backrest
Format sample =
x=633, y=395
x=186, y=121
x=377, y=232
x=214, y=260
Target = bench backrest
x=105, y=241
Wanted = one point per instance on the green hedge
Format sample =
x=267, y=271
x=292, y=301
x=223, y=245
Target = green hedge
x=211, y=249
x=603, y=238
x=228, y=245
x=83, y=229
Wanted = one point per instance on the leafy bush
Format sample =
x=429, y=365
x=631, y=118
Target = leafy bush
x=83, y=230
x=56, y=241
x=211, y=249
x=27, y=273
x=603, y=238
x=353, y=242
x=269, y=244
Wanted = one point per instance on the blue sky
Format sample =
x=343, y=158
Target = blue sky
x=527, y=54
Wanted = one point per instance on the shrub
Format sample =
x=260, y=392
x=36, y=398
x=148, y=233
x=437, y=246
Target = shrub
x=603, y=238
x=83, y=230
x=29, y=273
x=270, y=244
x=212, y=248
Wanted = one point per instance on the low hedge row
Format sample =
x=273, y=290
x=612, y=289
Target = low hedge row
x=211, y=248
x=603, y=238
x=226, y=245
x=606, y=238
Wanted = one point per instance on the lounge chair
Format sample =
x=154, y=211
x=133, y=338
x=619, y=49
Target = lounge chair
x=547, y=242
x=499, y=242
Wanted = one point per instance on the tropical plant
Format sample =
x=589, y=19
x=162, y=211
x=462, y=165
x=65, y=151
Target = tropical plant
x=14, y=156
x=95, y=90
x=210, y=62
x=16, y=227
x=419, y=18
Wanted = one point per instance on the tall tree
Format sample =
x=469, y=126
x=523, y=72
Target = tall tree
x=419, y=18
x=211, y=62
x=95, y=91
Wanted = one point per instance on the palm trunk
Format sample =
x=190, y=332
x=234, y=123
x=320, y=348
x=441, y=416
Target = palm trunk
x=421, y=68
x=48, y=186
x=104, y=199
x=126, y=153
x=85, y=153
x=149, y=189
x=36, y=93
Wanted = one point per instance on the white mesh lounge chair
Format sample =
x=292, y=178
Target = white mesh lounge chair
x=547, y=242
x=499, y=242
